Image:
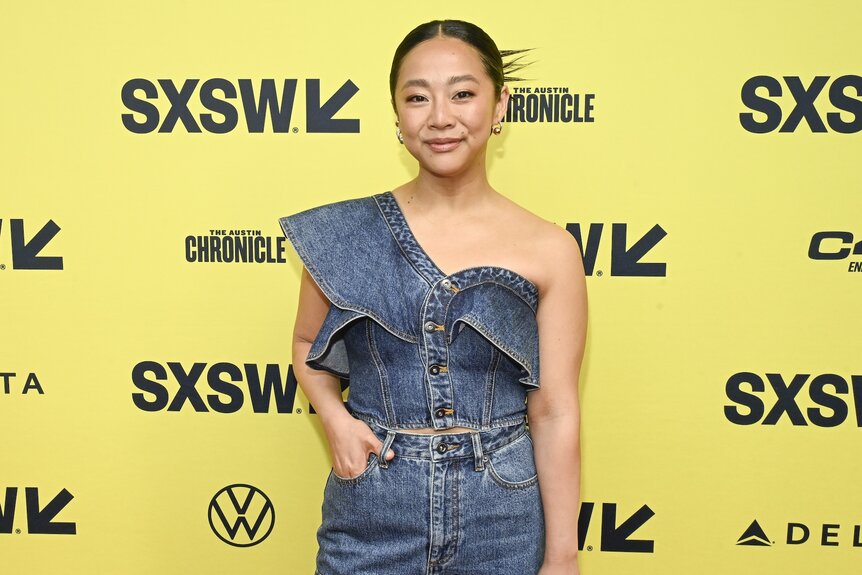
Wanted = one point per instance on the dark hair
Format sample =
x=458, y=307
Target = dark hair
x=492, y=57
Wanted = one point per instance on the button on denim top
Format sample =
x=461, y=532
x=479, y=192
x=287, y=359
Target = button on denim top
x=420, y=348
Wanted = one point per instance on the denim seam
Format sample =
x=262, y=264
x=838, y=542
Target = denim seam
x=508, y=441
x=455, y=513
x=392, y=219
x=463, y=458
x=490, y=386
x=449, y=382
x=508, y=484
x=408, y=425
x=512, y=440
x=533, y=307
x=428, y=567
x=382, y=376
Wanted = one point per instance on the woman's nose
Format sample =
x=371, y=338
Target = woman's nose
x=441, y=114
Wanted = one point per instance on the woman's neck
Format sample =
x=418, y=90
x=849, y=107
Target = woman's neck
x=448, y=193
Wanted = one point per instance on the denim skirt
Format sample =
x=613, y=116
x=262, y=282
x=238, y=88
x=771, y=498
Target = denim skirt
x=447, y=504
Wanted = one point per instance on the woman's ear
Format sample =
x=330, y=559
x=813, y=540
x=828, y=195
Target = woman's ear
x=502, y=105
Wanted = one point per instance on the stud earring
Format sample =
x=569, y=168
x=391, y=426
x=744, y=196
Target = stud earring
x=498, y=129
x=398, y=133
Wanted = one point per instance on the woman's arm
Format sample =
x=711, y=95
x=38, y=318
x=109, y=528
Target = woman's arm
x=321, y=388
x=553, y=409
x=350, y=440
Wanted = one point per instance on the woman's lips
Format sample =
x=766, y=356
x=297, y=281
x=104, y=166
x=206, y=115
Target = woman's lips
x=443, y=144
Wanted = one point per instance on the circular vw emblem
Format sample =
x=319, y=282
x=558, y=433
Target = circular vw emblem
x=241, y=515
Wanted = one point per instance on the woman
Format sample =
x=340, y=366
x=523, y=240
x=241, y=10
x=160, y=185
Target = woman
x=440, y=300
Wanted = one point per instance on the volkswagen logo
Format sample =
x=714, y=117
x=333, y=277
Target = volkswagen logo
x=241, y=515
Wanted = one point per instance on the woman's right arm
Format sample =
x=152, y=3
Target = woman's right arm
x=350, y=439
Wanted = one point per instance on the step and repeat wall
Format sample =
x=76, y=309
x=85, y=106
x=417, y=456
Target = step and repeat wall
x=707, y=157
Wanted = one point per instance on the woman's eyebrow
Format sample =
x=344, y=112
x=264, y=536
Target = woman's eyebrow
x=463, y=78
x=452, y=80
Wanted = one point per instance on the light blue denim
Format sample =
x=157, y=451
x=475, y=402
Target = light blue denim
x=423, y=349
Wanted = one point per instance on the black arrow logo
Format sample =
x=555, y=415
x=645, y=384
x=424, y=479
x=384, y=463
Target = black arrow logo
x=25, y=256
x=617, y=538
x=319, y=118
x=584, y=522
x=7, y=514
x=40, y=521
x=754, y=535
x=591, y=249
x=626, y=262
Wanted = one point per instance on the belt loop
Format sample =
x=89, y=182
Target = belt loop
x=478, y=456
x=387, y=443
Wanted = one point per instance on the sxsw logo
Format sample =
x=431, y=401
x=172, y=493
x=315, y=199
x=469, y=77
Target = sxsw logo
x=835, y=399
x=847, y=119
x=218, y=98
x=241, y=515
x=834, y=245
x=40, y=520
x=26, y=253
x=615, y=537
x=174, y=387
x=625, y=258
x=800, y=534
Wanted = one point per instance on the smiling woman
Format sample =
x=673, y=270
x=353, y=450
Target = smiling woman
x=445, y=120
x=451, y=455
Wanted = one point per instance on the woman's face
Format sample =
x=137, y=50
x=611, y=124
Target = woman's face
x=446, y=105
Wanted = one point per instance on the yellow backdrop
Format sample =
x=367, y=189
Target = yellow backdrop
x=706, y=153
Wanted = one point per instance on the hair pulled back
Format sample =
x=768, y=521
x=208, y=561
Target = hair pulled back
x=491, y=56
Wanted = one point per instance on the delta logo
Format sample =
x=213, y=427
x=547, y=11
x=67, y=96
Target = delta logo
x=799, y=533
x=754, y=536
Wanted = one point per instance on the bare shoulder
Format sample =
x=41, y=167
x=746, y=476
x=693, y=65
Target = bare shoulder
x=549, y=234
x=553, y=253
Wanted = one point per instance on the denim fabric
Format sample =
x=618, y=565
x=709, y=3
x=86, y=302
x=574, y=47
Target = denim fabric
x=423, y=349
x=448, y=504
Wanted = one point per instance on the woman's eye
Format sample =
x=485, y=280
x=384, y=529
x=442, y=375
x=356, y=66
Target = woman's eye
x=463, y=94
x=416, y=98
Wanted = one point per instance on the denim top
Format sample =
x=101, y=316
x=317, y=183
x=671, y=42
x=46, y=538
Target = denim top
x=420, y=348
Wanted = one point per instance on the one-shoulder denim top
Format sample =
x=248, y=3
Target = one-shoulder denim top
x=419, y=348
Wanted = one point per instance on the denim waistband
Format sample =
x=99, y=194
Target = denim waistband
x=445, y=446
